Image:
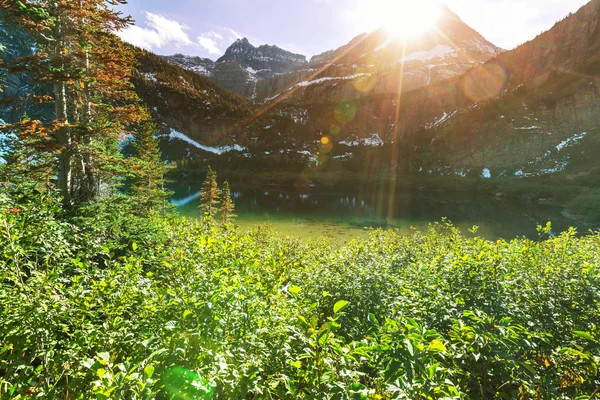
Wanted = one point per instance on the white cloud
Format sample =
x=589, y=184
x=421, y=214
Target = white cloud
x=233, y=33
x=208, y=41
x=158, y=32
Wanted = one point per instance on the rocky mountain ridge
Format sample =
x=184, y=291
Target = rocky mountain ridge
x=370, y=63
x=243, y=66
x=526, y=112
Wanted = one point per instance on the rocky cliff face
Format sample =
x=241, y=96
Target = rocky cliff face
x=267, y=59
x=247, y=70
x=370, y=64
x=376, y=64
x=531, y=111
x=199, y=65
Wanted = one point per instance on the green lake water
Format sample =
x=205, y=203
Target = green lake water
x=345, y=216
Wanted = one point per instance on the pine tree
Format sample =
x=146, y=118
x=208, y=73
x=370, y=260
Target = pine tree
x=227, y=205
x=209, y=196
x=147, y=170
x=89, y=69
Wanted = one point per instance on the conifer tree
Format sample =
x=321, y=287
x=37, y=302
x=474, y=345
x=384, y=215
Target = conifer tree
x=147, y=170
x=227, y=205
x=209, y=196
x=89, y=69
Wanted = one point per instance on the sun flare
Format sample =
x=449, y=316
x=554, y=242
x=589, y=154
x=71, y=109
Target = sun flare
x=400, y=18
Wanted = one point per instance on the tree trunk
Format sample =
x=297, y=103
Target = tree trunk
x=65, y=171
x=91, y=182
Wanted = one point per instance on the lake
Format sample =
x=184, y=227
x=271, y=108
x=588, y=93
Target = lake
x=346, y=216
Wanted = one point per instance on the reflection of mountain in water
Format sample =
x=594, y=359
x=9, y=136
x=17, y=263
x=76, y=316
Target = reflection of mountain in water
x=506, y=219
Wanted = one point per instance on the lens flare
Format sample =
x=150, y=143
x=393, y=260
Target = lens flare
x=326, y=145
x=181, y=383
x=345, y=112
x=484, y=82
x=365, y=83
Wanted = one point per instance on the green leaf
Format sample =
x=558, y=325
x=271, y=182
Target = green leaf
x=296, y=364
x=436, y=346
x=373, y=319
x=186, y=313
x=101, y=372
x=134, y=246
x=295, y=290
x=584, y=335
x=409, y=347
x=339, y=306
x=149, y=371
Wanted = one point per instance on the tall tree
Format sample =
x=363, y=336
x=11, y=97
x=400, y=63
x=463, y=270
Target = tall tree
x=209, y=196
x=227, y=205
x=89, y=69
x=146, y=169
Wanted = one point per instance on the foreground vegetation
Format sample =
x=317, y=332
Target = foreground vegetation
x=103, y=302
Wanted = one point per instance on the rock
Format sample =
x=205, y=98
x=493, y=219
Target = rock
x=262, y=58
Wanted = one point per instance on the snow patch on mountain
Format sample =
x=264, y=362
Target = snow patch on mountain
x=570, y=141
x=330, y=78
x=439, y=51
x=441, y=119
x=215, y=150
x=374, y=140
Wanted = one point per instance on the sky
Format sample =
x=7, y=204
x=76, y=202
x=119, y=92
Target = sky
x=207, y=27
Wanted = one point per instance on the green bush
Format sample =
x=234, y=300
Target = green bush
x=108, y=305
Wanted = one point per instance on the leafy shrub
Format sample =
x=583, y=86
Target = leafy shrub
x=109, y=305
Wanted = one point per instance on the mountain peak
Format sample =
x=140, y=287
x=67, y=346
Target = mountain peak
x=242, y=45
x=450, y=33
x=262, y=58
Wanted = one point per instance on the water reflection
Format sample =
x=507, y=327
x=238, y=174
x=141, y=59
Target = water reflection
x=346, y=215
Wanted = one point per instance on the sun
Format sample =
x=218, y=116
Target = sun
x=400, y=18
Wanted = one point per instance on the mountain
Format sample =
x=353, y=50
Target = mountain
x=464, y=107
x=265, y=59
x=195, y=114
x=379, y=48
x=376, y=63
x=369, y=64
x=531, y=111
x=243, y=66
x=199, y=65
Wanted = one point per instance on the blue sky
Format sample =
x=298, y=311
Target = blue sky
x=207, y=27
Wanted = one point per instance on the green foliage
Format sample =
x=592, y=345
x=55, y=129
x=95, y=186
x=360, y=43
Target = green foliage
x=107, y=304
x=209, y=196
x=146, y=170
x=227, y=205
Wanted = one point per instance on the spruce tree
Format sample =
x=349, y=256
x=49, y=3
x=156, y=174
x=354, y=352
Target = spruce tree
x=147, y=170
x=227, y=205
x=209, y=196
x=89, y=70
